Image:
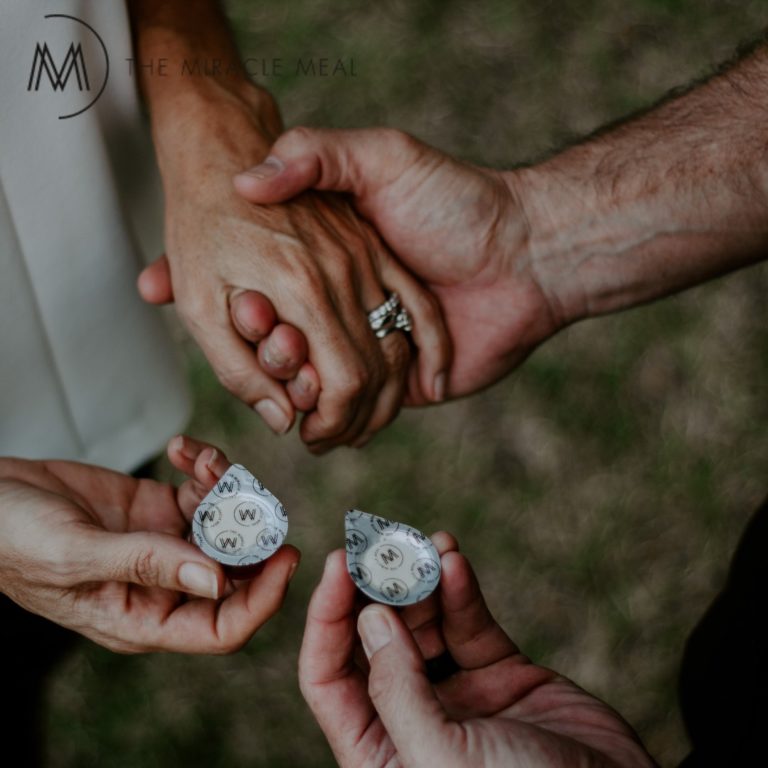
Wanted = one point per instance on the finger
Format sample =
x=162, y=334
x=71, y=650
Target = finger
x=429, y=333
x=205, y=626
x=205, y=465
x=303, y=158
x=146, y=559
x=397, y=353
x=236, y=365
x=283, y=352
x=154, y=282
x=472, y=635
x=350, y=381
x=333, y=687
x=252, y=314
x=424, y=619
x=399, y=688
x=184, y=452
x=304, y=389
x=329, y=635
x=371, y=393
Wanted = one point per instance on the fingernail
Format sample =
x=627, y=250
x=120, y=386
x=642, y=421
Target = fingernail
x=209, y=463
x=270, y=167
x=374, y=630
x=292, y=570
x=273, y=359
x=303, y=383
x=439, y=388
x=184, y=448
x=199, y=580
x=271, y=412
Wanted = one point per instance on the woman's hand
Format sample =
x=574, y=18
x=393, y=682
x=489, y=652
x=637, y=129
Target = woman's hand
x=106, y=555
x=496, y=709
x=321, y=267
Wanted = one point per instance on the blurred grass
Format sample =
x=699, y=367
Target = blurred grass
x=599, y=491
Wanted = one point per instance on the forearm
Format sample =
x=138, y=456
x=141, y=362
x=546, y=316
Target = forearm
x=197, y=91
x=663, y=202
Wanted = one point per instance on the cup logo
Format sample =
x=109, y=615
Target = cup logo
x=229, y=541
x=209, y=515
x=248, y=513
x=227, y=487
x=388, y=556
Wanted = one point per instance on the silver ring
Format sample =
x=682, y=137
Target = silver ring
x=389, y=316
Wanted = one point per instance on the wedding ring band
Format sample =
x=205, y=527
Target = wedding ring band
x=389, y=317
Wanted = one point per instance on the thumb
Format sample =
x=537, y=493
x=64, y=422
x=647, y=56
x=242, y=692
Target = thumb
x=356, y=161
x=154, y=282
x=150, y=560
x=399, y=688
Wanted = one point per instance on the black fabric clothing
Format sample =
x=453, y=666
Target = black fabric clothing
x=724, y=673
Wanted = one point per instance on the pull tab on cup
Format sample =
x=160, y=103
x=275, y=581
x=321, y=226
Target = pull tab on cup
x=390, y=562
x=239, y=523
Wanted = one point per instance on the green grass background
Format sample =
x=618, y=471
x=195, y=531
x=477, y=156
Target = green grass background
x=599, y=490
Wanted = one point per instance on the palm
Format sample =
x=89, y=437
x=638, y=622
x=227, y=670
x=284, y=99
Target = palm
x=71, y=498
x=498, y=709
x=109, y=562
x=460, y=231
x=554, y=724
x=512, y=710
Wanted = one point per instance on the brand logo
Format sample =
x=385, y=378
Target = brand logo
x=229, y=541
x=227, y=487
x=388, y=557
x=394, y=590
x=360, y=574
x=79, y=78
x=248, y=513
x=425, y=569
x=208, y=514
x=268, y=539
x=356, y=542
x=384, y=526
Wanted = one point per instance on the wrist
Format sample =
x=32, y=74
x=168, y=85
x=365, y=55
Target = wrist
x=210, y=129
x=552, y=208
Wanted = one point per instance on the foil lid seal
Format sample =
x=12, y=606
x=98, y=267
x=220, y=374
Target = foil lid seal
x=240, y=522
x=390, y=562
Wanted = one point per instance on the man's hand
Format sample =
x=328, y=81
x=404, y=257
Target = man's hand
x=662, y=202
x=105, y=554
x=498, y=709
x=459, y=228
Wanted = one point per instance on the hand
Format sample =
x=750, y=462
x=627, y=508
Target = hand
x=461, y=229
x=280, y=348
x=104, y=554
x=498, y=709
x=321, y=267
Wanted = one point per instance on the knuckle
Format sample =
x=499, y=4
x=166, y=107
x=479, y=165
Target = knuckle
x=354, y=384
x=303, y=274
x=399, y=141
x=229, y=646
x=397, y=351
x=59, y=570
x=379, y=682
x=297, y=136
x=144, y=569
